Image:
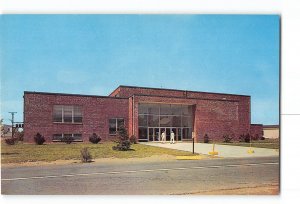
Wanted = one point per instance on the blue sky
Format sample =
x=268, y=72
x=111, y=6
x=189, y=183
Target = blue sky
x=93, y=54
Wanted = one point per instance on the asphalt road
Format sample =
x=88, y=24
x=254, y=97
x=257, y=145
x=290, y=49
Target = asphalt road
x=170, y=177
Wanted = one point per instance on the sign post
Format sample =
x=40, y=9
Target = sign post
x=193, y=136
x=250, y=150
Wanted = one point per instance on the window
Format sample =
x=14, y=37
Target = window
x=58, y=137
x=77, y=137
x=143, y=108
x=153, y=120
x=57, y=113
x=153, y=109
x=187, y=110
x=143, y=134
x=166, y=121
x=115, y=124
x=67, y=114
x=156, y=115
x=143, y=120
x=186, y=133
x=165, y=109
x=176, y=109
x=77, y=116
x=187, y=121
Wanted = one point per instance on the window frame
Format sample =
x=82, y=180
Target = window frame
x=63, y=107
x=116, y=123
x=62, y=136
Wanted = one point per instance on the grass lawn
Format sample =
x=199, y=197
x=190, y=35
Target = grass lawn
x=267, y=143
x=50, y=152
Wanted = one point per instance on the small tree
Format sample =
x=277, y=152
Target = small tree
x=206, y=138
x=11, y=141
x=19, y=135
x=85, y=155
x=39, y=139
x=123, y=142
x=4, y=130
x=95, y=139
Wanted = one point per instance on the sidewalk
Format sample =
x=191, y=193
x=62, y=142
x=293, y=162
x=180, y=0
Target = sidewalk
x=223, y=150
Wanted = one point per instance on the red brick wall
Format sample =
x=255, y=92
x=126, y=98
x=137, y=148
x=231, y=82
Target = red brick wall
x=256, y=131
x=130, y=117
x=124, y=91
x=38, y=111
x=128, y=91
x=215, y=114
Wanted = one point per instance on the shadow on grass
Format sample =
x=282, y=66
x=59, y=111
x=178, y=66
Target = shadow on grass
x=87, y=162
x=129, y=150
x=13, y=153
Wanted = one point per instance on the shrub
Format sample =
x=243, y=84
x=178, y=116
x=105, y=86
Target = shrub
x=11, y=141
x=262, y=138
x=95, y=139
x=39, y=139
x=68, y=139
x=133, y=139
x=19, y=136
x=245, y=138
x=256, y=137
x=227, y=138
x=206, y=138
x=85, y=155
x=123, y=142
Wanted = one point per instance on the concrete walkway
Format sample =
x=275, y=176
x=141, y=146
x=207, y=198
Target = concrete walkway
x=223, y=150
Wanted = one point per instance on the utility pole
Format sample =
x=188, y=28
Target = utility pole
x=12, y=123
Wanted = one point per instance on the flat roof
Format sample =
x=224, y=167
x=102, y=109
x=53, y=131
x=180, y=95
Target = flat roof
x=137, y=87
x=68, y=94
x=189, y=98
x=113, y=97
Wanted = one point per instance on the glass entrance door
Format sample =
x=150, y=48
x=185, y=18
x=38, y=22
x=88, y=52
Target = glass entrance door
x=151, y=134
x=179, y=133
x=154, y=134
x=168, y=134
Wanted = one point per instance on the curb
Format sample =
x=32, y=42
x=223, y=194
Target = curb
x=198, y=157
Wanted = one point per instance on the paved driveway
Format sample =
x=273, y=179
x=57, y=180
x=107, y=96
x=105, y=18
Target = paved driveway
x=223, y=150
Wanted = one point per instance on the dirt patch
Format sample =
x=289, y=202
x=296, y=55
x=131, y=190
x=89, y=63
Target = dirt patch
x=257, y=190
x=153, y=158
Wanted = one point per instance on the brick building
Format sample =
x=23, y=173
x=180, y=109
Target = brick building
x=145, y=112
